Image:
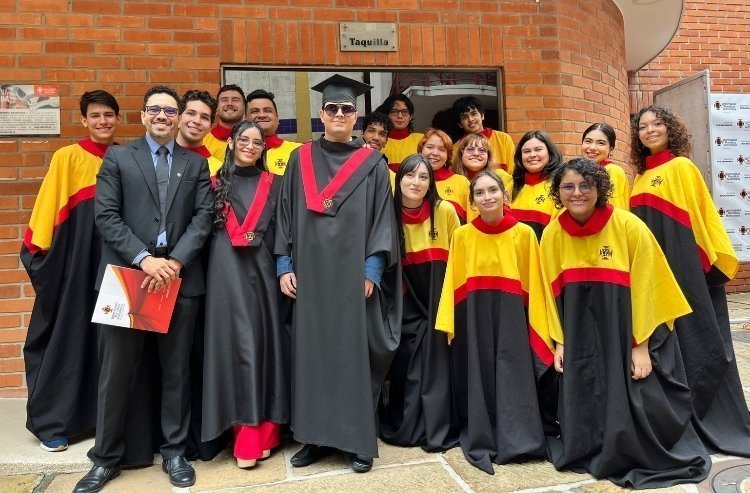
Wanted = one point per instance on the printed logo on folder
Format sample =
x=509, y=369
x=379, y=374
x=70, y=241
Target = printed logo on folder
x=123, y=303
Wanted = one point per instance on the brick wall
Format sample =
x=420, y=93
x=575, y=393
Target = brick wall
x=712, y=35
x=558, y=76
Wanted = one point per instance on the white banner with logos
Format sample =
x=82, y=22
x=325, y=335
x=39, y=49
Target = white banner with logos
x=730, y=166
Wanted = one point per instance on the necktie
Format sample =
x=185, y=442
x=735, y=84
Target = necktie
x=162, y=180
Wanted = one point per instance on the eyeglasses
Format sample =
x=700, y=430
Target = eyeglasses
x=155, y=110
x=246, y=141
x=395, y=112
x=333, y=109
x=472, y=150
x=570, y=188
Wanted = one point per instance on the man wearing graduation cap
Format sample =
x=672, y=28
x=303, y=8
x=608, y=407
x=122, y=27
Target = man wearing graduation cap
x=337, y=256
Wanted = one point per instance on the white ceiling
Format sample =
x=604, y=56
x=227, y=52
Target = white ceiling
x=650, y=25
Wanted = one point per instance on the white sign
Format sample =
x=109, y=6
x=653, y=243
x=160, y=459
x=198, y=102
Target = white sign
x=730, y=156
x=29, y=110
x=368, y=36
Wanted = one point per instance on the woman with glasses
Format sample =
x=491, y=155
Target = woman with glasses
x=437, y=147
x=492, y=310
x=670, y=196
x=536, y=158
x=612, y=301
x=244, y=380
x=418, y=403
x=402, y=139
x=474, y=155
x=597, y=144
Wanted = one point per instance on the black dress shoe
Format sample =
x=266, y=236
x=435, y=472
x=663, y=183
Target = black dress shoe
x=181, y=474
x=309, y=454
x=96, y=478
x=360, y=463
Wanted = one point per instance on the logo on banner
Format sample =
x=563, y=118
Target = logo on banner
x=743, y=193
x=718, y=141
x=741, y=159
x=743, y=230
x=722, y=176
x=717, y=104
x=740, y=123
x=721, y=212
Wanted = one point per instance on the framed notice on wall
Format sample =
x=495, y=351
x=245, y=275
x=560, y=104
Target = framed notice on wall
x=730, y=152
x=29, y=110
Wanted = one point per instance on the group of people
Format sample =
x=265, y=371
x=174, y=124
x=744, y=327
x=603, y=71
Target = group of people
x=484, y=295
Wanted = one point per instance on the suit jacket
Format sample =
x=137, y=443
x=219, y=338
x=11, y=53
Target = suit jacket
x=127, y=209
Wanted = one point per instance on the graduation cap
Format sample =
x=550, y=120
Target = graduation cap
x=338, y=89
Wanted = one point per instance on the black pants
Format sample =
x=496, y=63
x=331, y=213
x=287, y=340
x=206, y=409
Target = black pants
x=119, y=350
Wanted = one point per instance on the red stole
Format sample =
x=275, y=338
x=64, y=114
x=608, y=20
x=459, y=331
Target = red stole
x=243, y=235
x=320, y=201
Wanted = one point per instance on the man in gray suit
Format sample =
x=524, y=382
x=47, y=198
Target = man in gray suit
x=153, y=211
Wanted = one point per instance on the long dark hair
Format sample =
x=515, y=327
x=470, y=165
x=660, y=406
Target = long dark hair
x=410, y=164
x=678, y=135
x=519, y=172
x=225, y=175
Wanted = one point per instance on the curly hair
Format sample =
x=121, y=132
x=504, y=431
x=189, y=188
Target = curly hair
x=224, y=177
x=476, y=140
x=519, y=172
x=595, y=175
x=378, y=118
x=447, y=143
x=678, y=135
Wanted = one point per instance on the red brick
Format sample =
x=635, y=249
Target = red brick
x=12, y=335
x=120, y=21
x=12, y=18
x=11, y=380
x=147, y=8
x=69, y=47
x=95, y=6
x=245, y=11
x=45, y=32
x=23, y=47
x=8, y=365
x=10, y=350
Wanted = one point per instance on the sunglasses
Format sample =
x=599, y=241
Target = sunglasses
x=333, y=109
x=155, y=110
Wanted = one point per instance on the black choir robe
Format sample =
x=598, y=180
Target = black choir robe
x=332, y=215
x=417, y=410
x=244, y=376
x=61, y=254
x=609, y=287
x=672, y=199
x=492, y=308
